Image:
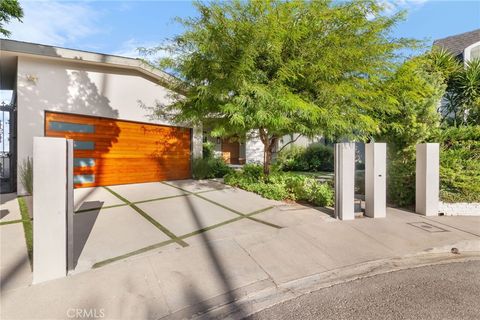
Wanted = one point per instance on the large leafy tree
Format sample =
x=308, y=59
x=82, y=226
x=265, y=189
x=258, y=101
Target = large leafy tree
x=9, y=9
x=271, y=68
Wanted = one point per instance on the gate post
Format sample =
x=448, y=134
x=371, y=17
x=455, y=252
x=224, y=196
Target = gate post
x=375, y=180
x=344, y=180
x=427, y=179
x=52, y=207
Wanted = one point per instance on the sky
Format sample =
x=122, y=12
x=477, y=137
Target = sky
x=120, y=27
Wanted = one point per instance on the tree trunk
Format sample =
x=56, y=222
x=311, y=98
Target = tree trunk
x=268, y=146
x=267, y=154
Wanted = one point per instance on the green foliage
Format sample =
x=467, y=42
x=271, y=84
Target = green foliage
x=316, y=157
x=462, y=99
x=26, y=174
x=283, y=67
x=460, y=164
x=9, y=9
x=208, y=150
x=413, y=93
x=282, y=186
x=209, y=168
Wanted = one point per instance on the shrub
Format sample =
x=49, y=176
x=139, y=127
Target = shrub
x=316, y=157
x=209, y=168
x=26, y=174
x=208, y=150
x=281, y=186
x=460, y=164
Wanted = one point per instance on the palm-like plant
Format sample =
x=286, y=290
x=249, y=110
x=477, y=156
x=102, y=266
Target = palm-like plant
x=461, y=103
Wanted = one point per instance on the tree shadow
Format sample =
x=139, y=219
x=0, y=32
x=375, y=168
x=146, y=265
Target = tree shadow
x=193, y=296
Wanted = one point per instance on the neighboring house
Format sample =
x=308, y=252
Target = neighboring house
x=464, y=46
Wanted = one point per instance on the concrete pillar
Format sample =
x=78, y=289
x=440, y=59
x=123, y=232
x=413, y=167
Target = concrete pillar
x=52, y=204
x=344, y=180
x=197, y=142
x=427, y=179
x=375, y=180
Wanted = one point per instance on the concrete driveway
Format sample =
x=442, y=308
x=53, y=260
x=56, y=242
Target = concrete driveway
x=117, y=222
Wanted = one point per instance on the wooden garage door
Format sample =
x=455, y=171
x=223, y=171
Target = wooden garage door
x=109, y=151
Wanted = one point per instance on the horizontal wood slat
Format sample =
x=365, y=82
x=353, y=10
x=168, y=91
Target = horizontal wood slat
x=127, y=152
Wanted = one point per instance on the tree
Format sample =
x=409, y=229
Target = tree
x=413, y=92
x=9, y=9
x=272, y=68
x=461, y=105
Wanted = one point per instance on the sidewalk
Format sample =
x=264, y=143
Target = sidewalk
x=218, y=268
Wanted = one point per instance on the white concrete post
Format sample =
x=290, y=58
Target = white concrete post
x=197, y=142
x=427, y=179
x=375, y=180
x=344, y=180
x=52, y=162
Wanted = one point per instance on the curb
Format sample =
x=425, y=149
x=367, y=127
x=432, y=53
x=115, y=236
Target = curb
x=274, y=294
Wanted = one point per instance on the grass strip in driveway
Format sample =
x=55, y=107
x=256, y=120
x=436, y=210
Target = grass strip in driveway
x=10, y=222
x=27, y=228
x=185, y=236
x=159, y=226
x=225, y=207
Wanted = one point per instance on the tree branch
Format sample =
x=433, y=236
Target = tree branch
x=289, y=142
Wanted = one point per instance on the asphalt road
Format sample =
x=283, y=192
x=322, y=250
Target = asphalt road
x=447, y=291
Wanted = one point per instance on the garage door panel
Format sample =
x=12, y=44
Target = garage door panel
x=109, y=152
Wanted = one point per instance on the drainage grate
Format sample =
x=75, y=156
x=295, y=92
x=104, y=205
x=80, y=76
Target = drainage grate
x=427, y=227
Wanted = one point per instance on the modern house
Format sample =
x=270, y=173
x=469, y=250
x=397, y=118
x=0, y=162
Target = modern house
x=464, y=46
x=96, y=100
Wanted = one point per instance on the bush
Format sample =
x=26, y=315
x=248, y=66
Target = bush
x=460, y=164
x=316, y=157
x=281, y=186
x=459, y=168
x=26, y=174
x=209, y=168
x=208, y=150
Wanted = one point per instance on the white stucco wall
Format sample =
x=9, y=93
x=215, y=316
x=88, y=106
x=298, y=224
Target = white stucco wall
x=52, y=85
x=253, y=149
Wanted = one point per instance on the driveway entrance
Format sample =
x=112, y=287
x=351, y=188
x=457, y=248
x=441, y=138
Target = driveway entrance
x=116, y=222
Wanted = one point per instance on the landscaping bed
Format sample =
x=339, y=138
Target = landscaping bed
x=280, y=185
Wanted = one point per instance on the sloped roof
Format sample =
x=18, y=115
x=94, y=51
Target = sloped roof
x=457, y=43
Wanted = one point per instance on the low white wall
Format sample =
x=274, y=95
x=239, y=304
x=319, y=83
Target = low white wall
x=459, y=209
x=47, y=85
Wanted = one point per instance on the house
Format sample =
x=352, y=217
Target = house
x=95, y=100
x=464, y=46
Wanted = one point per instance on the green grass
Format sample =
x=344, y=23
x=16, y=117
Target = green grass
x=27, y=228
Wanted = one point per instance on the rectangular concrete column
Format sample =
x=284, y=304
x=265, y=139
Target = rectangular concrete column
x=375, y=180
x=344, y=180
x=427, y=181
x=52, y=161
x=197, y=142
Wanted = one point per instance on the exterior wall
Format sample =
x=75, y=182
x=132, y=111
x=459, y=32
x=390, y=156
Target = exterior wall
x=253, y=149
x=73, y=88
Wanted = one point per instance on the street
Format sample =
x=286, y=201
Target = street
x=447, y=291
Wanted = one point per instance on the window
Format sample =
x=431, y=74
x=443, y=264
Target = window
x=71, y=127
x=83, y=145
x=83, y=162
x=83, y=178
